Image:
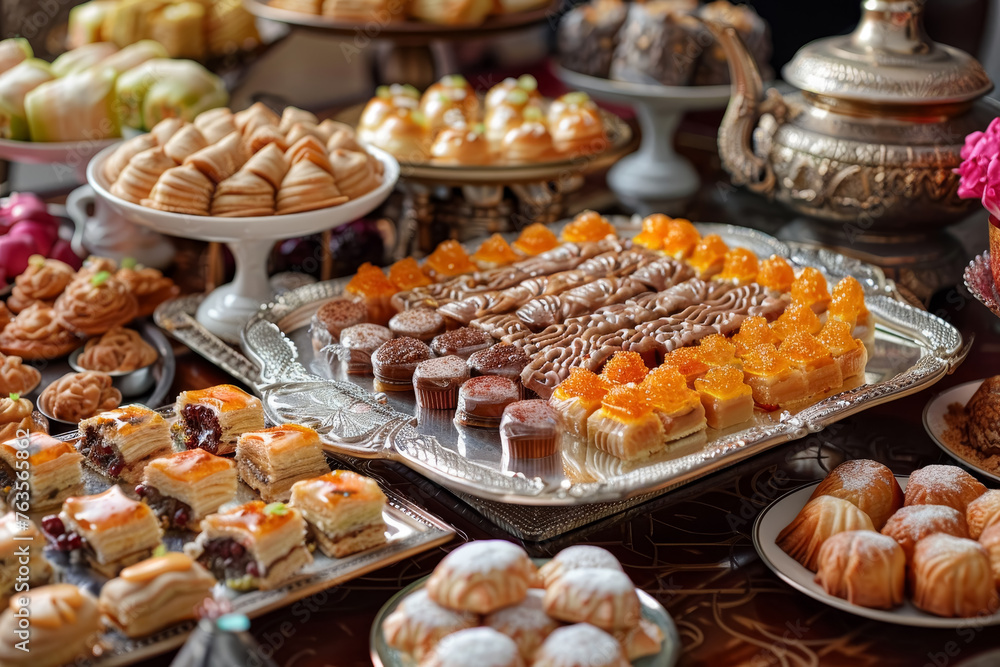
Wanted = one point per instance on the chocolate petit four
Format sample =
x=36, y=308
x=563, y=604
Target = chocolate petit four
x=530, y=429
x=252, y=546
x=121, y=442
x=418, y=624
x=358, y=343
x=64, y=627
x=502, y=359
x=394, y=362
x=212, y=419
x=482, y=577
x=333, y=317
x=20, y=537
x=110, y=529
x=482, y=400
x=271, y=460
x=155, y=594
x=436, y=382
x=462, y=342
x=185, y=487
x=54, y=471
x=420, y=323
x=343, y=510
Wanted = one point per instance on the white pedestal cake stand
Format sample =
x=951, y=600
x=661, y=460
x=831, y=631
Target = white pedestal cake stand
x=226, y=310
x=62, y=155
x=655, y=177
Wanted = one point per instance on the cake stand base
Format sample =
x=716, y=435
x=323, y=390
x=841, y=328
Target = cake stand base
x=227, y=308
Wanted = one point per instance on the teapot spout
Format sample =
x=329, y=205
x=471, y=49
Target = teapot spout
x=736, y=148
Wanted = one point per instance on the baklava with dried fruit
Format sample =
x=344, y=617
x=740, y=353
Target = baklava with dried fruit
x=212, y=419
x=185, y=487
x=54, y=471
x=122, y=441
x=343, y=510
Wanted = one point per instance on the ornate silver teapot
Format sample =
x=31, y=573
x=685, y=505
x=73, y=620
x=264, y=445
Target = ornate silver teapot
x=872, y=135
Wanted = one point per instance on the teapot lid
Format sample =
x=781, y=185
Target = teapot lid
x=888, y=59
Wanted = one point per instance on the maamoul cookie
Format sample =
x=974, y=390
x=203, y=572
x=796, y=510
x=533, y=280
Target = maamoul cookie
x=76, y=396
x=911, y=524
x=419, y=623
x=951, y=577
x=575, y=558
x=604, y=598
x=943, y=485
x=867, y=484
x=482, y=576
x=863, y=567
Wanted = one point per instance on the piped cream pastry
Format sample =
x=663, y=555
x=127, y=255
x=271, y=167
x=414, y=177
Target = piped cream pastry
x=148, y=285
x=344, y=511
x=182, y=189
x=271, y=460
x=252, y=546
x=138, y=177
x=17, y=418
x=54, y=471
x=119, y=350
x=20, y=537
x=121, y=442
x=155, y=594
x=185, y=487
x=36, y=333
x=16, y=377
x=212, y=419
x=112, y=530
x=64, y=626
x=44, y=280
x=94, y=304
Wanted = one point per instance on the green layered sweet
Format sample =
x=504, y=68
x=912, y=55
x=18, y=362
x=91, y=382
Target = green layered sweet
x=163, y=88
x=77, y=107
x=15, y=84
x=134, y=55
x=82, y=58
x=13, y=51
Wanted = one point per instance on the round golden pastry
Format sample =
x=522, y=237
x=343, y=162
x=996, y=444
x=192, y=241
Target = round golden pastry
x=482, y=576
x=43, y=280
x=528, y=142
x=599, y=596
x=951, y=577
x=16, y=377
x=943, y=485
x=461, y=145
x=120, y=350
x=867, y=484
x=526, y=623
x=77, y=396
x=911, y=524
x=820, y=519
x=149, y=287
x=96, y=304
x=36, y=334
x=418, y=624
x=580, y=645
x=983, y=512
x=863, y=567
x=17, y=416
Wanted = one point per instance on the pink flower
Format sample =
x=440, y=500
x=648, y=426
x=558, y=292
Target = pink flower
x=991, y=190
x=978, y=153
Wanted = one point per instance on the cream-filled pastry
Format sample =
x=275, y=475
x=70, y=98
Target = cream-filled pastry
x=185, y=487
x=271, y=460
x=121, y=442
x=602, y=597
x=252, y=546
x=344, y=511
x=155, y=594
x=54, y=471
x=212, y=419
x=110, y=529
x=482, y=576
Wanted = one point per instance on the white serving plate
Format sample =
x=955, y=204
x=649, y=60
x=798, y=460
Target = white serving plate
x=935, y=424
x=780, y=513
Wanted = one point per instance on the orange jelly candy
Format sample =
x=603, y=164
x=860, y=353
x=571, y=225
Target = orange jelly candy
x=776, y=274
x=836, y=336
x=740, y=266
x=406, y=274
x=654, y=230
x=369, y=281
x=709, y=252
x=848, y=303
x=723, y=382
x=625, y=367
x=810, y=288
x=449, y=259
x=754, y=331
x=803, y=349
x=688, y=361
x=667, y=389
x=717, y=350
x=626, y=403
x=536, y=239
x=797, y=317
x=587, y=226
x=495, y=250
x=582, y=384
x=680, y=239
x=764, y=360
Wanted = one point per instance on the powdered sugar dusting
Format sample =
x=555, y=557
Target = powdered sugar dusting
x=483, y=556
x=584, y=556
x=476, y=647
x=580, y=645
x=526, y=615
x=858, y=474
x=941, y=475
x=867, y=544
x=420, y=608
x=941, y=544
x=598, y=581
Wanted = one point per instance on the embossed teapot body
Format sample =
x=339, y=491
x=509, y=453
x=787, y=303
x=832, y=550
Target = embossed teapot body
x=870, y=139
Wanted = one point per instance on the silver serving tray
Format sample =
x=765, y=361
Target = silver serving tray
x=913, y=349
x=411, y=529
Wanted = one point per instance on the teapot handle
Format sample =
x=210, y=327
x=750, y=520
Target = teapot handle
x=742, y=115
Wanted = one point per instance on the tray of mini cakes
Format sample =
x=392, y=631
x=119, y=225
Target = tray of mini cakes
x=920, y=550
x=488, y=598
x=74, y=342
x=453, y=135
x=594, y=363
x=142, y=520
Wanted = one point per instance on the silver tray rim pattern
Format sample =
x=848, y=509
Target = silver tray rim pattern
x=429, y=531
x=941, y=345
